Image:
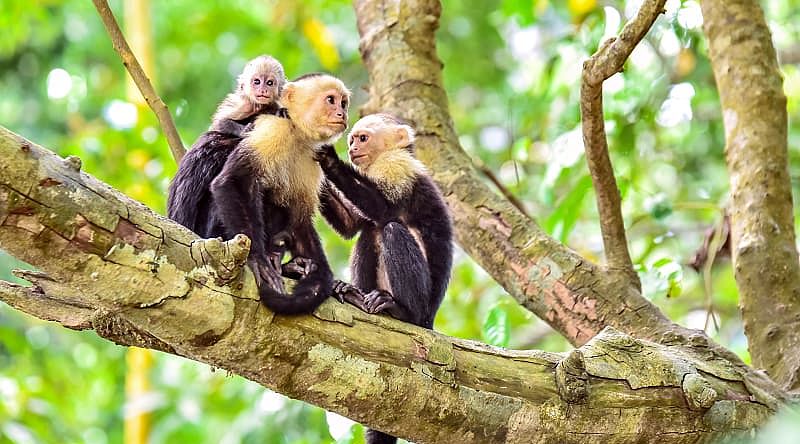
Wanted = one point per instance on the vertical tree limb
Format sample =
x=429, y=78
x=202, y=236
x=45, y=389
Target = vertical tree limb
x=762, y=222
x=607, y=61
x=140, y=78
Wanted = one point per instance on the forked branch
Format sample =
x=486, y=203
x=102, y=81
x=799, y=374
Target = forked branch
x=607, y=61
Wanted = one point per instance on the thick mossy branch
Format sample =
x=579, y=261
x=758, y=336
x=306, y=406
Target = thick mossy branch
x=607, y=61
x=763, y=241
x=109, y=264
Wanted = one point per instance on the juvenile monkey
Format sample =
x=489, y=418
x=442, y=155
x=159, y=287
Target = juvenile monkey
x=257, y=90
x=270, y=184
x=189, y=200
x=403, y=257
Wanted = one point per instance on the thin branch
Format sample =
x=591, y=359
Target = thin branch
x=502, y=188
x=607, y=61
x=140, y=78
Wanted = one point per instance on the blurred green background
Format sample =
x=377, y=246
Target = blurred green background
x=512, y=71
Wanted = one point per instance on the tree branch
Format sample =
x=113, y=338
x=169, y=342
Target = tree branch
x=764, y=252
x=112, y=265
x=607, y=61
x=140, y=78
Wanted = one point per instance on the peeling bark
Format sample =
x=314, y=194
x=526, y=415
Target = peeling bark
x=109, y=264
x=764, y=248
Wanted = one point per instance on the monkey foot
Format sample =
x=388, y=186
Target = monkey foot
x=349, y=293
x=298, y=268
x=378, y=301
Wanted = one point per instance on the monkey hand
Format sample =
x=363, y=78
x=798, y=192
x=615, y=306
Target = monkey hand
x=326, y=155
x=378, y=301
x=298, y=268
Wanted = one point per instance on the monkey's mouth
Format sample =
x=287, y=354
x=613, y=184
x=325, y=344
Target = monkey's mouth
x=356, y=159
x=263, y=99
x=341, y=123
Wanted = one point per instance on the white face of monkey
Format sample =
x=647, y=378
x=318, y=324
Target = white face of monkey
x=318, y=105
x=374, y=135
x=262, y=80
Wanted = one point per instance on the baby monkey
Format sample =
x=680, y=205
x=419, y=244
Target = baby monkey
x=189, y=200
x=258, y=88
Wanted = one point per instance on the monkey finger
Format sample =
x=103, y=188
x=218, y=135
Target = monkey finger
x=384, y=306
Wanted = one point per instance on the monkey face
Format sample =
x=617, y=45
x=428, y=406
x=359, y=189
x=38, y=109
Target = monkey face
x=318, y=104
x=332, y=106
x=264, y=87
x=372, y=136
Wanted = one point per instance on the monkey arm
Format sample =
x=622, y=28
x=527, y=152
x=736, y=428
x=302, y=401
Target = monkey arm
x=234, y=195
x=357, y=188
x=189, y=194
x=340, y=213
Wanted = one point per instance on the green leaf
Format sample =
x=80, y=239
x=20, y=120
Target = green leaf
x=496, y=330
x=561, y=221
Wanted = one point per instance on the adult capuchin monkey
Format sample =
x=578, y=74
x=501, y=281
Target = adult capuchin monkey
x=189, y=199
x=270, y=184
x=403, y=257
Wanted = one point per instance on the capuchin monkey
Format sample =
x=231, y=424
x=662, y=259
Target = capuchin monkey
x=403, y=257
x=189, y=199
x=270, y=185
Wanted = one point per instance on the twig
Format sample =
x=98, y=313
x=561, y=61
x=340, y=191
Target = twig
x=140, y=78
x=607, y=61
x=502, y=188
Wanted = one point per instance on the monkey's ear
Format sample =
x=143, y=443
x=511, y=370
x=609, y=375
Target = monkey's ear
x=404, y=136
x=287, y=96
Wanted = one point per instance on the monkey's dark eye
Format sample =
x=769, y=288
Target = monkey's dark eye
x=256, y=81
x=363, y=138
x=270, y=83
x=330, y=100
x=344, y=103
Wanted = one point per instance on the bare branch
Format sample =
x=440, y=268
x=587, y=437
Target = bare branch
x=607, y=61
x=502, y=188
x=140, y=78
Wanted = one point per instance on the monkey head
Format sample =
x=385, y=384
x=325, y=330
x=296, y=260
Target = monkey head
x=376, y=134
x=261, y=80
x=317, y=104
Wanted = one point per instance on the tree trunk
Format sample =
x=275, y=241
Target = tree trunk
x=109, y=264
x=765, y=256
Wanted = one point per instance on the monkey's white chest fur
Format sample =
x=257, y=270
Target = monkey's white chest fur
x=287, y=166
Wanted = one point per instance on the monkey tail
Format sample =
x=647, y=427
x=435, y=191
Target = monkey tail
x=308, y=294
x=376, y=437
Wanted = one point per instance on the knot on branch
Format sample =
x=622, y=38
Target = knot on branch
x=571, y=378
x=222, y=261
x=74, y=163
x=698, y=391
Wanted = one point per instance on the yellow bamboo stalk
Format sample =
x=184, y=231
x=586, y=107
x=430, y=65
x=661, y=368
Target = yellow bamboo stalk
x=138, y=360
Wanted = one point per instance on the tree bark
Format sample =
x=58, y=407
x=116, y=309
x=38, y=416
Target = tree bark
x=764, y=249
x=109, y=264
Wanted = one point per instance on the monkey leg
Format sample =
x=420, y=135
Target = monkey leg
x=408, y=275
